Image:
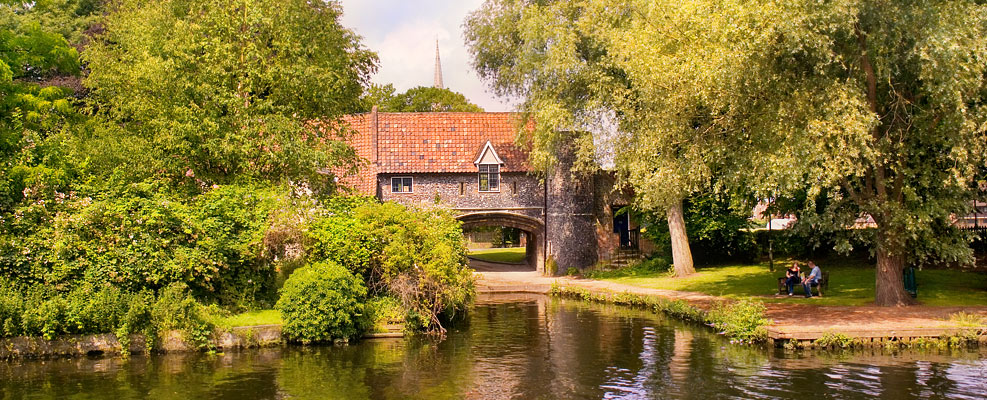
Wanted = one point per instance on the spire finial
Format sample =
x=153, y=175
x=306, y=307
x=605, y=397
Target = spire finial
x=438, y=67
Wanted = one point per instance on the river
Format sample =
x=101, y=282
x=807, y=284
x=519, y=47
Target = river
x=519, y=346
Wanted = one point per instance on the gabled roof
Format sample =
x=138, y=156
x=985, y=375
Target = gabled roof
x=436, y=142
x=488, y=150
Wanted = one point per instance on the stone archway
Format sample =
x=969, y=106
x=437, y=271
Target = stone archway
x=533, y=227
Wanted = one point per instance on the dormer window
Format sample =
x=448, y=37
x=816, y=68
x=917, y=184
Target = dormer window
x=488, y=167
x=489, y=178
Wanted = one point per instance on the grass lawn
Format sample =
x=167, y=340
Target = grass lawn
x=504, y=255
x=851, y=283
x=253, y=318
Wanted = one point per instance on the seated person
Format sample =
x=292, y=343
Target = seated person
x=792, y=277
x=812, y=279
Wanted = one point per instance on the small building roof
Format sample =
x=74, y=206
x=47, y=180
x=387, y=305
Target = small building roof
x=436, y=142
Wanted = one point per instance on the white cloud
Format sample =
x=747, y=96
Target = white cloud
x=403, y=33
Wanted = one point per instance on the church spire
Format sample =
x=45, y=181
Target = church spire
x=438, y=67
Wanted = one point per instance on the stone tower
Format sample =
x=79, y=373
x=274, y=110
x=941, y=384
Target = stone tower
x=438, y=68
x=570, y=222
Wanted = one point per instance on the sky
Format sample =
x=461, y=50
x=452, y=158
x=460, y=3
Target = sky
x=403, y=33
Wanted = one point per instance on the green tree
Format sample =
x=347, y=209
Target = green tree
x=876, y=105
x=556, y=57
x=417, y=99
x=377, y=95
x=67, y=18
x=215, y=90
x=426, y=99
x=31, y=114
x=718, y=226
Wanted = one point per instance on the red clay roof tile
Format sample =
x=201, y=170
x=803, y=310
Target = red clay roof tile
x=435, y=142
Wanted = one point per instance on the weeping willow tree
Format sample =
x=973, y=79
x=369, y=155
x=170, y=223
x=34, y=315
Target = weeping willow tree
x=875, y=106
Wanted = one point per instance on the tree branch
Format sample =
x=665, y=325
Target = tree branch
x=851, y=191
x=880, y=184
x=868, y=71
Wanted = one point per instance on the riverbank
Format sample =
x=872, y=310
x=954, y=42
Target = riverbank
x=851, y=282
x=793, y=324
x=517, y=346
x=236, y=338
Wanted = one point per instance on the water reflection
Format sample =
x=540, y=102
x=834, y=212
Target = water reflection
x=528, y=347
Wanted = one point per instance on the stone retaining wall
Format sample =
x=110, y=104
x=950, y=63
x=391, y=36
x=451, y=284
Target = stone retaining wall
x=109, y=344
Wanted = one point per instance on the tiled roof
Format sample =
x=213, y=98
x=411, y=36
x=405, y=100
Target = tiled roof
x=436, y=142
x=364, y=181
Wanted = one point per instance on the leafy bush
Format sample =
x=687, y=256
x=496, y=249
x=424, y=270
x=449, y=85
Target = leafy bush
x=176, y=310
x=144, y=236
x=89, y=309
x=837, y=340
x=418, y=256
x=385, y=310
x=322, y=302
x=743, y=320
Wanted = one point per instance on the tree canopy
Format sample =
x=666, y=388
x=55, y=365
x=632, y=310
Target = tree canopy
x=875, y=106
x=29, y=112
x=69, y=19
x=216, y=90
x=417, y=99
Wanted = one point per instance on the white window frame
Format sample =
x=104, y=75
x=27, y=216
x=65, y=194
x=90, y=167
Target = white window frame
x=479, y=186
x=411, y=187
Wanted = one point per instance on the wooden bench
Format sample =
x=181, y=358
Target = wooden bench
x=823, y=285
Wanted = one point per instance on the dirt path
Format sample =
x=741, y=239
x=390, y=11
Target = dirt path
x=789, y=320
x=811, y=320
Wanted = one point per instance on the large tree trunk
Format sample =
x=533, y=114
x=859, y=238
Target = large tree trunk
x=889, y=289
x=681, y=254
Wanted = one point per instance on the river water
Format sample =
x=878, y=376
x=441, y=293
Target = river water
x=526, y=347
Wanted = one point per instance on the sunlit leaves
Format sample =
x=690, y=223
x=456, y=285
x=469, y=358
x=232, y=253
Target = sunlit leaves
x=222, y=89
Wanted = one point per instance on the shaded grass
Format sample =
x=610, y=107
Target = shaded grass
x=502, y=255
x=253, y=318
x=851, y=284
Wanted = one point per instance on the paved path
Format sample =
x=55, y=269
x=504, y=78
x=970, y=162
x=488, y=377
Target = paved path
x=531, y=281
x=802, y=321
x=489, y=266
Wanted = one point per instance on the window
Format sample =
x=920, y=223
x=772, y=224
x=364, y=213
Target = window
x=401, y=184
x=489, y=178
x=462, y=188
x=514, y=188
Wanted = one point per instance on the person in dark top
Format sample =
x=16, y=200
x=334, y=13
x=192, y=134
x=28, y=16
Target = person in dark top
x=812, y=279
x=792, y=277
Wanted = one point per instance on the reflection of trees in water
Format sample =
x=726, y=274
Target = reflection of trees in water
x=329, y=372
x=535, y=348
x=935, y=379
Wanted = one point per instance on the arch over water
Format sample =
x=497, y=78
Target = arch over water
x=533, y=227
